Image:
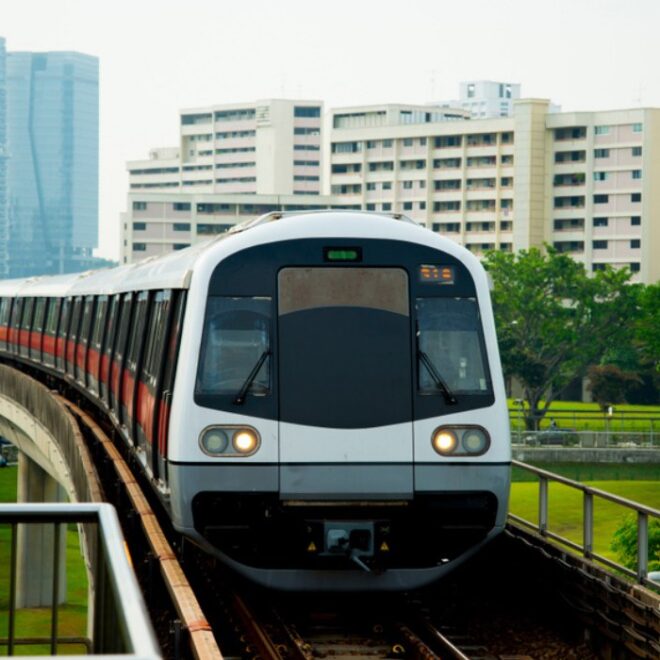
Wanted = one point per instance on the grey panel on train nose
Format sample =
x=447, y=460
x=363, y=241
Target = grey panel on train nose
x=346, y=482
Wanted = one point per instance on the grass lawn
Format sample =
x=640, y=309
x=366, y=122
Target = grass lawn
x=565, y=508
x=589, y=417
x=36, y=622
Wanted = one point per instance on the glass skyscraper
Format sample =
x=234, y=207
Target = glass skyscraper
x=4, y=229
x=52, y=164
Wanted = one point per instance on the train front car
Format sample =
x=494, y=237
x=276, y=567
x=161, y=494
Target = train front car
x=346, y=426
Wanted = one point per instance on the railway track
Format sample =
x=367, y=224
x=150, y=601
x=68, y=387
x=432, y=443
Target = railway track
x=257, y=624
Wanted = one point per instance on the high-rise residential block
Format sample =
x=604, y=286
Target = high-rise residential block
x=52, y=161
x=581, y=182
x=263, y=147
x=4, y=228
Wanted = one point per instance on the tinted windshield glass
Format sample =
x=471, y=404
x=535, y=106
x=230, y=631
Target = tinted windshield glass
x=236, y=334
x=450, y=335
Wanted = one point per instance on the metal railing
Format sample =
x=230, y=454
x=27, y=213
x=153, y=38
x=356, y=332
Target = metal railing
x=121, y=625
x=586, y=439
x=587, y=547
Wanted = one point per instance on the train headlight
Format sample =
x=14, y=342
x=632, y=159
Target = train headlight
x=245, y=441
x=444, y=441
x=460, y=440
x=215, y=441
x=474, y=441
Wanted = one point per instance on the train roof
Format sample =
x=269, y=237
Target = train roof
x=174, y=270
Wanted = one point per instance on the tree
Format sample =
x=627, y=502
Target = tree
x=624, y=543
x=608, y=384
x=554, y=321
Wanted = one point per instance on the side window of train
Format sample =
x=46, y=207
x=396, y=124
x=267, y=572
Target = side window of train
x=124, y=320
x=86, y=320
x=62, y=334
x=26, y=326
x=153, y=356
x=99, y=322
x=74, y=328
x=137, y=331
x=39, y=313
x=52, y=317
x=5, y=307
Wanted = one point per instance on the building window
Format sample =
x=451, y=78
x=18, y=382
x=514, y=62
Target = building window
x=636, y=220
x=181, y=206
x=306, y=130
x=306, y=147
x=601, y=153
x=601, y=176
x=407, y=142
x=597, y=267
x=300, y=177
x=387, y=206
x=569, y=246
x=422, y=142
x=599, y=245
x=371, y=186
x=139, y=226
x=205, y=229
x=636, y=197
x=572, y=133
x=407, y=185
x=637, y=174
x=139, y=247
x=634, y=267
x=181, y=226
x=507, y=159
x=635, y=243
x=446, y=207
x=601, y=222
x=180, y=246
x=422, y=206
x=387, y=144
x=636, y=151
x=315, y=163
x=387, y=185
x=447, y=141
x=371, y=207
x=139, y=206
x=601, y=199
x=407, y=206
x=602, y=130
x=637, y=128
x=305, y=111
x=569, y=224
x=568, y=156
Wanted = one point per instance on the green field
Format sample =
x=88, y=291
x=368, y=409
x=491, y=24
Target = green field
x=580, y=416
x=565, y=508
x=36, y=622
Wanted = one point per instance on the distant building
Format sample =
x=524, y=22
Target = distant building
x=52, y=161
x=4, y=228
x=263, y=147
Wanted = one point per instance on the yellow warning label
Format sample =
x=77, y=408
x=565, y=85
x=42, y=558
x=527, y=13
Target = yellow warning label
x=311, y=547
x=384, y=547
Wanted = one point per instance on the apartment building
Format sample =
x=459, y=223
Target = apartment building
x=579, y=181
x=161, y=222
x=270, y=147
x=486, y=98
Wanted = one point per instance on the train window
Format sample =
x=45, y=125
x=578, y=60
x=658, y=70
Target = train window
x=27, y=314
x=450, y=342
x=86, y=320
x=155, y=336
x=137, y=331
x=99, y=321
x=236, y=339
x=39, y=314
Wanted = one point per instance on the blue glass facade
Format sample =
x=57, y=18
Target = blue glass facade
x=4, y=229
x=52, y=166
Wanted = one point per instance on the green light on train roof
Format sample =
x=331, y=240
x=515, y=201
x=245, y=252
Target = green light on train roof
x=343, y=254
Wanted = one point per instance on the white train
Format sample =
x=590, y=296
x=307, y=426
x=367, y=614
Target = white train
x=316, y=397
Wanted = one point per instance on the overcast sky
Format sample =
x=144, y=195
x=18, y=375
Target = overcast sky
x=157, y=56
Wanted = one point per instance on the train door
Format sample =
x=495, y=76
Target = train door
x=72, y=340
x=345, y=382
x=50, y=331
x=26, y=328
x=83, y=340
x=36, y=336
x=171, y=354
x=94, y=348
x=149, y=382
x=117, y=363
x=132, y=364
x=108, y=349
x=61, y=343
x=5, y=309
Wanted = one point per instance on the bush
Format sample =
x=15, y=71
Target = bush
x=624, y=543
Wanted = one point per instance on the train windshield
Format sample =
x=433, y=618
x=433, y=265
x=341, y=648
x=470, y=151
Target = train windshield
x=450, y=337
x=236, y=337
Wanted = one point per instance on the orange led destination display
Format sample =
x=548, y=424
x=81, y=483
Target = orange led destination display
x=429, y=274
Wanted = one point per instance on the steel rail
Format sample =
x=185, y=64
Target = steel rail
x=202, y=640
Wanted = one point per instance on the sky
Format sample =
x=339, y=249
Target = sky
x=158, y=56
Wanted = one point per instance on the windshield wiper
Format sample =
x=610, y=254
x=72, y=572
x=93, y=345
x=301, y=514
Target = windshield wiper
x=437, y=378
x=240, y=397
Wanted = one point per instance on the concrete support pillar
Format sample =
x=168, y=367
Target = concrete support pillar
x=36, y=542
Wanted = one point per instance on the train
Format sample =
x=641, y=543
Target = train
x=315, y=397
